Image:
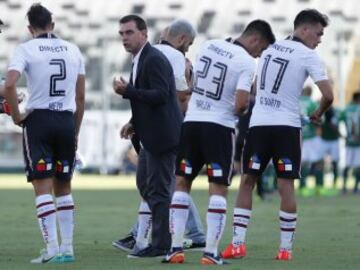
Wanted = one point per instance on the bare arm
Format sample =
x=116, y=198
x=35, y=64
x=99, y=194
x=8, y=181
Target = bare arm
x=242, y=100
x=80, y=102
x=11, y=95
x=325, y=101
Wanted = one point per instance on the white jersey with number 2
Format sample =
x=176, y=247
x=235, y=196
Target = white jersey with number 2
x=51, y=66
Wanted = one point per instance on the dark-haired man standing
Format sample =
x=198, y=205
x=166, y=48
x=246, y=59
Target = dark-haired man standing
x=55, y=74
x=275, y=126
x=156, y=121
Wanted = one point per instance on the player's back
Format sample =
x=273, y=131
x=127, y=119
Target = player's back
x=51, y=66
x=282, y=71
x=177, y=62
x=220, y=69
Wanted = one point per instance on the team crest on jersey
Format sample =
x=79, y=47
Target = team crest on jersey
x=185, y=166
x=62, y=166
x=284, y=165
x=254, y=163
x=214, y=170
x=44, y=165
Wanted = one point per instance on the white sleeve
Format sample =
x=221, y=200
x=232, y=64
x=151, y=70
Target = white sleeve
x=18, y=60
x=315, y=67
x=246, y=76
x=179, y=73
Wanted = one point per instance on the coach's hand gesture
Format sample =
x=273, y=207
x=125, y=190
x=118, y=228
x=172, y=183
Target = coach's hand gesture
x=127, y=131
x=119, y=85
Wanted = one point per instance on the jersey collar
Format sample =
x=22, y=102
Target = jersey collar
x=164, y=42
x=235, y=42
x=294, y=38
x=46, y=35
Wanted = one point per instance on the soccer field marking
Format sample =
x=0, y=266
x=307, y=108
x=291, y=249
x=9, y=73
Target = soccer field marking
x=97, y=182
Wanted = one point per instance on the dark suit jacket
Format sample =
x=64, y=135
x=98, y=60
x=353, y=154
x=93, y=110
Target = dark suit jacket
x=156, y=114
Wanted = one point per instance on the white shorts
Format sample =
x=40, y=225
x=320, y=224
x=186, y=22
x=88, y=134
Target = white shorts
x=330, y=148
x=353, y=157
x=311, y=150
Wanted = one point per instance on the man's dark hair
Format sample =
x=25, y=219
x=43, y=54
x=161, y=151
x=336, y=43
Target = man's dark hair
x=311, y=16
x=261, y=28
x=39, y=16
x=356, y=96
x=140, y=23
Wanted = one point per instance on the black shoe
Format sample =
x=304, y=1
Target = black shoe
x=196, y=247
x=126, y=244
x=148, y=252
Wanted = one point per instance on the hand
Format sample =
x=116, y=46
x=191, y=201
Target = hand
x=315, y=118
x=119, y=85
x=18, y=120
x=127, y=131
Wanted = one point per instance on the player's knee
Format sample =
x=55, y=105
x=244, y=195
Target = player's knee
x=182, y=184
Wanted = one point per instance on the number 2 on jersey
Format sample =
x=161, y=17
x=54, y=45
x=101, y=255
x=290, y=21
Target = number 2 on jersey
x=283, y=63
x=217, y=80
x=57, y=77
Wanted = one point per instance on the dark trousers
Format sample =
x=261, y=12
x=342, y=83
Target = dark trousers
x=153, y=179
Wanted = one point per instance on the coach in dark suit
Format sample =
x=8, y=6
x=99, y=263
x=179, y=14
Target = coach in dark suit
x=156, y=122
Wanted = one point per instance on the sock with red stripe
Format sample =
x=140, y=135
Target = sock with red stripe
x=241, y=221
x=179, y=211
x=287, y=228
x=144, y=225
x=216, y=219
x=46, y=213
x=65, y=213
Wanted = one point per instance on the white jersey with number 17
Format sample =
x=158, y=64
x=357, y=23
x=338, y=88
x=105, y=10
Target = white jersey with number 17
x=51, y=66
x=221, y=68
x=282, y=71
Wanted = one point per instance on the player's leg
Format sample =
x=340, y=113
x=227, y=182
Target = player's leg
x=194, y=230
x=64, y=156
x=255, y=159
x=188, y=164
x=40, y=170
x=219, y=151
x=287, y=159
x=216, y=221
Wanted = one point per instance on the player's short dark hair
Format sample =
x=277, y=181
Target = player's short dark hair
x=39, y=16
x=261, y=28
x=356, y=96
x=140, y=22
x=311, y=16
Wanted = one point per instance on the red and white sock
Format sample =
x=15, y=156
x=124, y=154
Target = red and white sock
x=65, y=213
x=179, y=211
x=144, y=225
x=287, y=228
x=46, y=214
x=241, y=221
x=216, y=220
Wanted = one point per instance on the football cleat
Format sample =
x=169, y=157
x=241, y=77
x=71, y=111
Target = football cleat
x=210, y=258
x=284, y=255
x=46, y=258
x=175, y=255
x=233, y=252
x=126, y=244
x=68, y=257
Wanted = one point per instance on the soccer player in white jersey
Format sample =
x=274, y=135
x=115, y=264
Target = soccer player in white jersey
x=275, y=127
x=55, y=74
x=224, y=71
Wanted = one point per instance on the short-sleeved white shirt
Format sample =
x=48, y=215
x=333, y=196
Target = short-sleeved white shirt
x=283, y=69
x=221, y=68
x=51, y=67
x=177, y=61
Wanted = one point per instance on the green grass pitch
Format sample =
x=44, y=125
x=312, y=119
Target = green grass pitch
x=327, y=236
